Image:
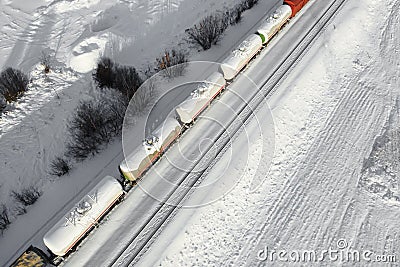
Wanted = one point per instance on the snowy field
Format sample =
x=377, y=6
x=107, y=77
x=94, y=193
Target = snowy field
x=334, y=178
x=336, y=158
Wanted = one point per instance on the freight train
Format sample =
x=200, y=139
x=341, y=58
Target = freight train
x=139, y=161
x=66, y=234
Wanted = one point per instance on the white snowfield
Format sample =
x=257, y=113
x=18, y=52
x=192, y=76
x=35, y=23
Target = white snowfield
x=327, y=114
x=80, y=219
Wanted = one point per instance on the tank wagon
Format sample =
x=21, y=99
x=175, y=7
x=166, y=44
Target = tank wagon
x=239, y=57
x=200, y=98
x=83, y=217
x=152, y=147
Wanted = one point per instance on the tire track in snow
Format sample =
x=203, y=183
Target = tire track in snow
x=378, y=229
x=356, y=113
x=317, y=192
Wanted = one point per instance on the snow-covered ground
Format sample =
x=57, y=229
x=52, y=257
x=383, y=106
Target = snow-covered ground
x=335, y=122
x=328, y=114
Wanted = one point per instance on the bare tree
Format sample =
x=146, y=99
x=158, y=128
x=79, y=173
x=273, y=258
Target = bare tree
x=94, y=125
x=13, y=83
x=172, y=63
x=234, y=15
x=208, y=31
x=127, y=81
x=27, y=196
x=60, y=166
x=143, y=98
x=45, y=60
x=105, y=73
x=4, y=219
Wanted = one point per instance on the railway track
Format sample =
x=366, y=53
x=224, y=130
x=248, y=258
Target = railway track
x=142, y=240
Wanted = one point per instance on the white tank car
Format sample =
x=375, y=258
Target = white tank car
x=272, y=25
x=69, y=230
x=165, y=134
x=138, y=161
x=239, y=57
x=200, y=98
x=144, y=155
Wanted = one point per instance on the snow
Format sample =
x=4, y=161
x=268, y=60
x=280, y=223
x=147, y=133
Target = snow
x=240, y=56
x=87, y=53
x=327, y=115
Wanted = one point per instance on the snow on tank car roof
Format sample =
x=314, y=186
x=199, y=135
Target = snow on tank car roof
x=243, y=51
x=282, y=11
x=168, y=126
x=68, y=230
x=215, y=78
x=133, y=160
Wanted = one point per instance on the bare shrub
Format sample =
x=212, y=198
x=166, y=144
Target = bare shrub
x=94, y=124
x=148, y=71
x=115, y=106
x=3, y=103
x=208, y=31
x=13, y=83
x=127, y=81
x=60, y=166
x=124, y=79
x=45, y=60
x=172, y=63
x=27, y=196
x=247, y=4
x=105, y=72
x=87, y=130
x=19, y=209
x=234, y=15
x=4, y=219
x=143, y=98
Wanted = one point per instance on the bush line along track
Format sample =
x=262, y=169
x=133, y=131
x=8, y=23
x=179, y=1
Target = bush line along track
x=139, y=243
x=92, y=182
